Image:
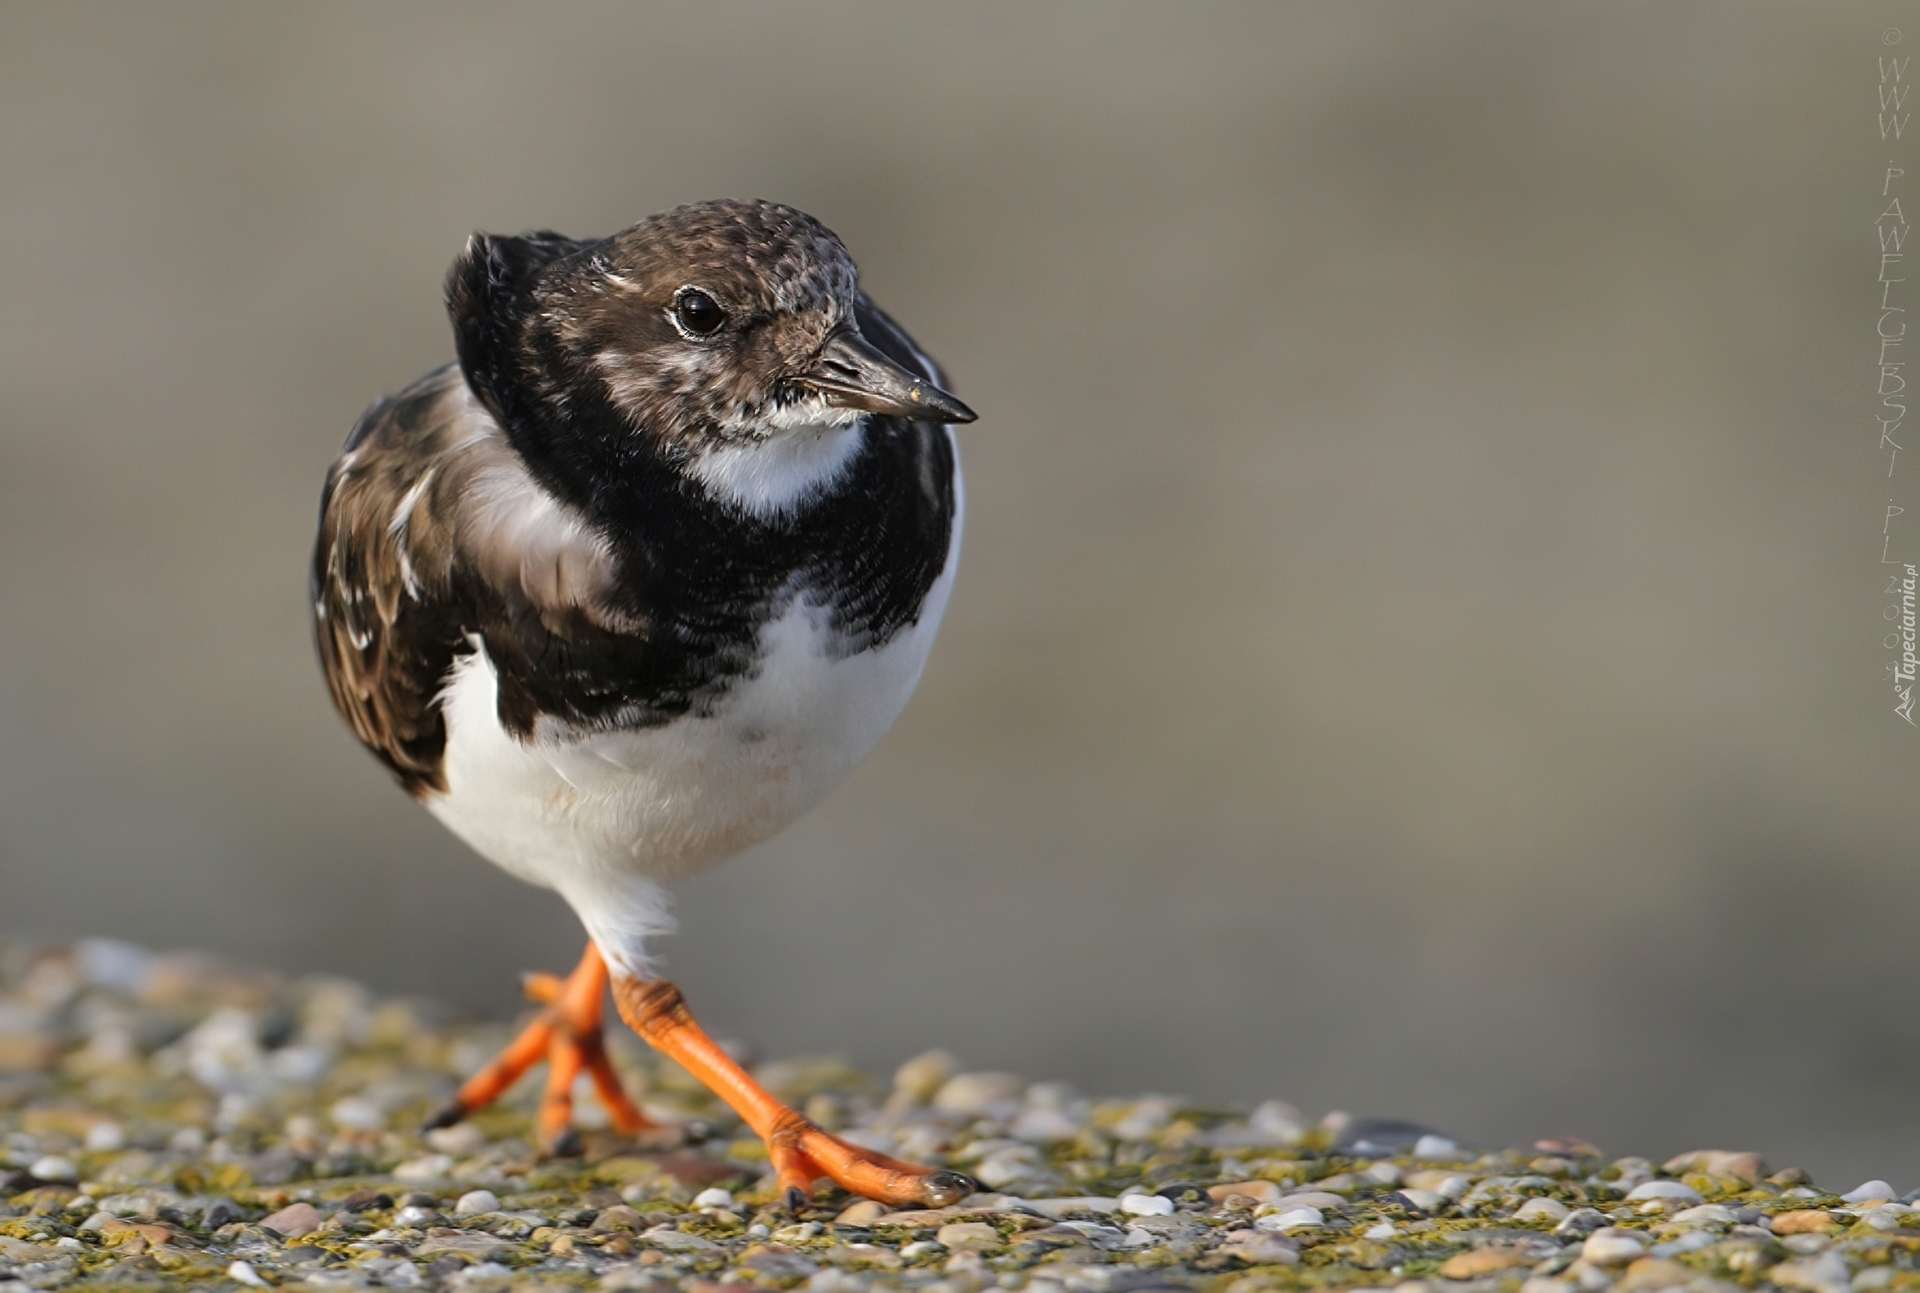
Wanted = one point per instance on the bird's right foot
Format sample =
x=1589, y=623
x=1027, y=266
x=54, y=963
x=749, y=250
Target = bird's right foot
x=570, y=1035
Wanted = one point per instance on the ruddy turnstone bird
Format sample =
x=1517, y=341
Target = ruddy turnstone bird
x=632, y=585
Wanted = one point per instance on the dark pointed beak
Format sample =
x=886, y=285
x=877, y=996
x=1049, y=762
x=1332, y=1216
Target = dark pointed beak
x=851, y=374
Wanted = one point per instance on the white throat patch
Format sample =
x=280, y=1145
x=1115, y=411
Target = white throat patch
x=781, y=474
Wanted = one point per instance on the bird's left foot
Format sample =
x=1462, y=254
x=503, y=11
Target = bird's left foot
x=570, y=1035
x=801, y=1152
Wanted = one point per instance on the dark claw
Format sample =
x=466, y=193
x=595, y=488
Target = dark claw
x=794, y=1199
x=566, y=1145
x=445, y=1116
x=944, y=1189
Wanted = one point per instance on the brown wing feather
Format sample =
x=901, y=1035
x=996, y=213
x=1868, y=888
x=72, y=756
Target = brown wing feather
x=431, y=527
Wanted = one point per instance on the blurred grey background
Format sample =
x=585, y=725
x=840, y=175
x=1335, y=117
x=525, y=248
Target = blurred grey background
x=1418, y=645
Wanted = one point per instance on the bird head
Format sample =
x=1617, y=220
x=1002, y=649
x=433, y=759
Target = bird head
x=720, y=323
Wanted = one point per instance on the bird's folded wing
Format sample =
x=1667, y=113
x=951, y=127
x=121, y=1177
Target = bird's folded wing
x=431, y=530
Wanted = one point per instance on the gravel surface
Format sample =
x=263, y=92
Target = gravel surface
x=171, y=1121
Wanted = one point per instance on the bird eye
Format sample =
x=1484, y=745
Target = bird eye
x=697, y=313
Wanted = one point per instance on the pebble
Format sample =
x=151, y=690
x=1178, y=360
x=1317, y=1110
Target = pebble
x=357, y=1113
x=244, y=1273
x=714, y=1197
x=1448, y=1185
x=1802, y=1221
x=967, y=1234
x=431, y=1167
x=863, y=1212
x=1437, y=1148
x=1312, y=1199
x=474, y=1202
x=1258, y=1191
x=1537, y=1210
x=106, y=1137
x=53, y=1167
x=1578, y=1223
x=1717, y=1162
x=1291, y=1219
x=1705, y=1214
x=1890, y=1216
x=1612, y=1247
x=1870, y=1191
x=1146, y=1205
x=1278, y=1122
x=293, y=1221
x=980, y=1095
x=920, y=1077
x=1259, y=1249
x=1665, y=1191
x=1424, y=1200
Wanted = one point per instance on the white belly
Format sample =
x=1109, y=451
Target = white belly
x=605, y=818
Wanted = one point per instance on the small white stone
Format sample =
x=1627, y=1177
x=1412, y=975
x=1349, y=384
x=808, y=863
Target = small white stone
x=68, y=1244
x=980, y=1094
x=357, y=1113
x=1279, y=1121
x=1382, y=1231
x=1309, y=1199
x=52, y=1167
x=474, y=1202
x=413, y=1216
x=460, y=1140
x=758, y=1230
x=1292, y=1219
x=1146, y=1205
x=1383, y=1174
x=1431, y=1146
x=1612, y=1247
x=1425, y=1200
x=713, y=1198
x=1705, y=1214
x=96, y=1221
x=1139, y=1237
x=1548, y=1210
x=1869, y=1190
x=106, y=1137
x=244, y=1273
x=1045, y=1126
x=430, y=1168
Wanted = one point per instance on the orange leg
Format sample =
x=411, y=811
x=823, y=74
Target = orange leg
x=801, y=1153
x=569, y=1034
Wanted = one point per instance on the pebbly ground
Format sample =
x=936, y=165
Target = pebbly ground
x=169, y=1121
